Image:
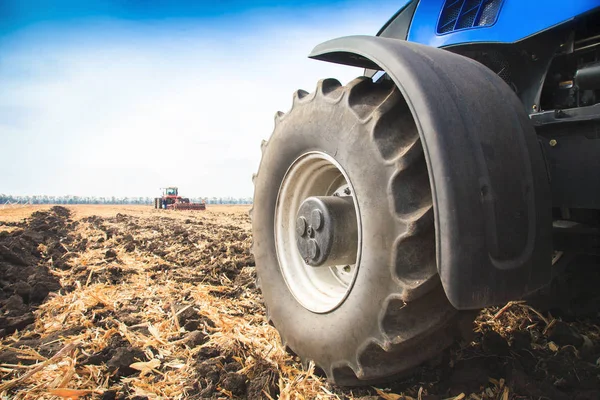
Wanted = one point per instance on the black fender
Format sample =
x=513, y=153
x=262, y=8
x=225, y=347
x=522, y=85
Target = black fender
x=491, y=193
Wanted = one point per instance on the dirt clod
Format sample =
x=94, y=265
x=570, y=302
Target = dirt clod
x=109, y=395
x=122, y=358
x=564, y=335
x=235, y=383
x=521, y=340
x=195, y=338
x=110, y=254
x=493, y=343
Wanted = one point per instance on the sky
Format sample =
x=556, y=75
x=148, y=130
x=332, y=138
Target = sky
x=121, y=98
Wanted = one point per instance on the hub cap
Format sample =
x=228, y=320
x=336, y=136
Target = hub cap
x=317, y=232
x=326, y=231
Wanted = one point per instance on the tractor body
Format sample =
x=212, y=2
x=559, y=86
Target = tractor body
x=171, y=200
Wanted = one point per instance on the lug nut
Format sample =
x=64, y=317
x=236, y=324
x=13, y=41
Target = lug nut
x=313, y=249
x=316, y=219
x=301, y=226
x=347, y=190
x=347, y=268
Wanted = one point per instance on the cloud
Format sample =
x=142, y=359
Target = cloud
x=121, y=107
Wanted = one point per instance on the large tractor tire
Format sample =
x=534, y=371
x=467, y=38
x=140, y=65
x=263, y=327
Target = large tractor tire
x=344, y=237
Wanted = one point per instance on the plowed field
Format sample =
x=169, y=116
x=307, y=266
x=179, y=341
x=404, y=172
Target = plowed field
x=128, y=302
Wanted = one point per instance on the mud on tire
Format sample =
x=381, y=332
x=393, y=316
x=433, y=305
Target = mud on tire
x=396, y=314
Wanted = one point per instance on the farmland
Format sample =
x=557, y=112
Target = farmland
x=130, y=302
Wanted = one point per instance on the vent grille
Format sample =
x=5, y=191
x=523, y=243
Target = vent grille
x=465, y=14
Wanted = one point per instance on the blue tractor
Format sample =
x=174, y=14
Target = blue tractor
x=459, y=172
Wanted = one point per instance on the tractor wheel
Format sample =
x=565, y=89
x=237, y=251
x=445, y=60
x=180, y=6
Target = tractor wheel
x=344, y=237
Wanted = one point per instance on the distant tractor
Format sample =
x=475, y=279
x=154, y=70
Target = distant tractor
x=171, y=200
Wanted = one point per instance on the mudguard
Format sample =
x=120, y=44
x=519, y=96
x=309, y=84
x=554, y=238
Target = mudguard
x=490, y=187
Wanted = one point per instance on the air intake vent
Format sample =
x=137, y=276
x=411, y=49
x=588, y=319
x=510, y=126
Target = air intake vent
x=465, y=14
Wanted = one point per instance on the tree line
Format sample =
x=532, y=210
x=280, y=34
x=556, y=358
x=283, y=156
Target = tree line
x=43, y=199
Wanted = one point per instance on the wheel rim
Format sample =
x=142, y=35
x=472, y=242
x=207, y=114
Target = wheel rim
x=318, y=289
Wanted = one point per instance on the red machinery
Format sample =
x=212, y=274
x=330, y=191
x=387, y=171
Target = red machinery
x=171, y=200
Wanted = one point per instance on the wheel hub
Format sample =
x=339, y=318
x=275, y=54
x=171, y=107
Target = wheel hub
x=326, y=231
x=317, y=232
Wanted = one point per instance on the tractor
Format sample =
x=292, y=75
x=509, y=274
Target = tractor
x=460, y=171
x=171, y=200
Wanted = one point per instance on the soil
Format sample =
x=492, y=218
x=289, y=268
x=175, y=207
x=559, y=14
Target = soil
x=27, y=256
x=164, y=304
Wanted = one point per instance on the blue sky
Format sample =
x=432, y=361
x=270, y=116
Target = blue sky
x=124, y=97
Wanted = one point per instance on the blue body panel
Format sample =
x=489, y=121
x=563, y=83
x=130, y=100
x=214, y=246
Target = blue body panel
x=517, y=20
